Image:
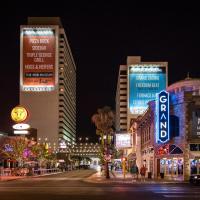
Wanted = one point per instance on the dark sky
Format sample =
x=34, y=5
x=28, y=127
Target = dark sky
x=101, y=36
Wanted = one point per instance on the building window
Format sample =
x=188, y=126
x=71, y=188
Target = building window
x=174, y=126
x=123, y=72
x=194, y=147
x=123, y=100
x=122, y=106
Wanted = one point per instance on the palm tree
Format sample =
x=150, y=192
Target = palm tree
x=104, y=120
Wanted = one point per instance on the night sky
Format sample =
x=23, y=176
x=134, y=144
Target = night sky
x=101, y=36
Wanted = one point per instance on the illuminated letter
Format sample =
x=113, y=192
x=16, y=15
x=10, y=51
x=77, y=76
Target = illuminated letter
x=163, y=107
x=163, y=99
x=163, y=134
x=163, y=125
x=163, y=116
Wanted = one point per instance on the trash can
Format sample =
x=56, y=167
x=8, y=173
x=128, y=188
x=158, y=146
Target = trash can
x=162, y=175
x=149, y=175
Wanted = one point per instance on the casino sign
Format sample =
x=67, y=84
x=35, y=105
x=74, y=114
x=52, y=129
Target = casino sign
x=19, y=114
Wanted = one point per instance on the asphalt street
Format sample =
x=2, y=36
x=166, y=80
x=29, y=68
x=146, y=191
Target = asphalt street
x=74, y=185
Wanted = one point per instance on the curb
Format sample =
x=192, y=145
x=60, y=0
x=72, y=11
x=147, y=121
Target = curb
x=45, y=175
x=131, y=182
x=94, y=179
x=29, y=177
x=13, y=179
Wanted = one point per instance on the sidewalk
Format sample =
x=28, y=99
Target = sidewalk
x=117, y=177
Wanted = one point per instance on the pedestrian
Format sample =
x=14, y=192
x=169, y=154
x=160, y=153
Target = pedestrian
x=143, y=173
x=137, y=171
x=111, y=167
x=124, y=168
x=134, y=171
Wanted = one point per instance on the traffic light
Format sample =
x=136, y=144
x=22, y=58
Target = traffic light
x=124, y=159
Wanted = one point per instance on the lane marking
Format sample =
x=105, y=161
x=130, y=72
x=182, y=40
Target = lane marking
x=181, y=196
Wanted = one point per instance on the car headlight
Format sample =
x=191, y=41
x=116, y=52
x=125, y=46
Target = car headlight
x=195, y=177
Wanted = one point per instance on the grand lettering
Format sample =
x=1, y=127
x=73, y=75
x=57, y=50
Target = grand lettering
x=162, y=117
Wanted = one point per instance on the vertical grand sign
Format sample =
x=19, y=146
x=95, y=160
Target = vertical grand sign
x=38, y=59
x=145, y=81
x=162, y=117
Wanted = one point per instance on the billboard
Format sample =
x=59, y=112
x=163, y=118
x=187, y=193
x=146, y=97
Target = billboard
x=123, y=140
x=145, y=80
x=196, y=124
x=38, y=58
x=162, y=117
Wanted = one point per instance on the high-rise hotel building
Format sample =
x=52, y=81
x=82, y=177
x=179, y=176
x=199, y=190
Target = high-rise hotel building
x=48, y=79
x=121, y=100
x=138, y=83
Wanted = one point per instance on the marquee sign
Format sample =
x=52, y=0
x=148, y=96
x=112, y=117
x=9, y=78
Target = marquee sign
x=162, y=117
x=123, y=140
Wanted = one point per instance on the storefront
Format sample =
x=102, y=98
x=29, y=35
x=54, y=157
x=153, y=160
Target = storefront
x=170, y=161
x=195, y=166
x=172, y=166
x=194, y=159
x=148, y=160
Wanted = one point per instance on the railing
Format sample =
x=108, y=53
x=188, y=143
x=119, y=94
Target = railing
x=25, y=171
x=45, y=171
x=5, y=172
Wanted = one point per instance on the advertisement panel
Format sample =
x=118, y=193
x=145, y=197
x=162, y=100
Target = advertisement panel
x=123, y=140
x=196, y=124
x=38, y=58
x=145, y=80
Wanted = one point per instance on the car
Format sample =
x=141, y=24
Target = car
x=195, y=179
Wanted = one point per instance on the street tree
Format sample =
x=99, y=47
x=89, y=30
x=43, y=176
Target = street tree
x=16, y=148
x=104, y=121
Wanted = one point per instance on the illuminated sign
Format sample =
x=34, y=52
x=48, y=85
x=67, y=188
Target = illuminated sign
x=23, y=132
x=38, y=54
x=123, y=140
x=162, y=117
x=21, y=126
x=196, y=123
x=8, y=148
x=145, y=80
x=19, y=114
x=62, y=145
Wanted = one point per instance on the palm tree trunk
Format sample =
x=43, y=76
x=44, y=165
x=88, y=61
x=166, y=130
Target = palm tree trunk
x=107, y=153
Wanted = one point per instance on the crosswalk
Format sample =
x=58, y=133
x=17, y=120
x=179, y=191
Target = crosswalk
x=177, y=192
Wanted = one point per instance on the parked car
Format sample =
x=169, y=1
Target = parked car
x=195, y=179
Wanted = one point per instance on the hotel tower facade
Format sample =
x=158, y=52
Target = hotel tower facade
x=48, y=80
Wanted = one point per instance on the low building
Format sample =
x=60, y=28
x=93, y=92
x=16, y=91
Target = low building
x=180, y=156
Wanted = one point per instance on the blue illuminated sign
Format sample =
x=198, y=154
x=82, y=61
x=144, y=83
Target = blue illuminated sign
x=162, y=117
x=145, y=81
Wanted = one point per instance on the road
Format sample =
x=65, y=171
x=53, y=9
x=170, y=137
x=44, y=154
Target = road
x=72, y=185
